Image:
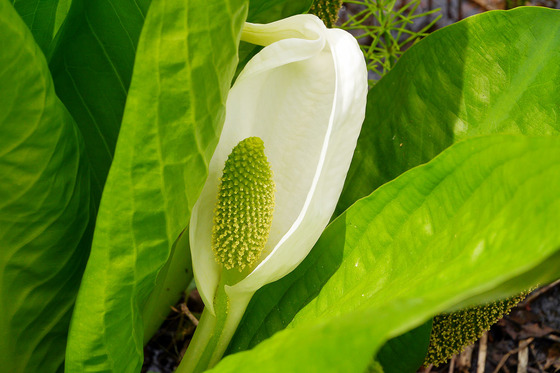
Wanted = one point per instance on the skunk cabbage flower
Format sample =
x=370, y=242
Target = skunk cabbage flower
x=293, y=117
x=304, y=96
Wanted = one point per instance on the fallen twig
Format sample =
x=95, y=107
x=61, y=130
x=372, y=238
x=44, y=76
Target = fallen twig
x=522, y=344
x=185, y=310
x=522, y=357
x=482, y=346
x=452, y=364
x=465, y=358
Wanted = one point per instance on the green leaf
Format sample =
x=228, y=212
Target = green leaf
x=174, y=113
x=432, y=93
x=171, y=283
x=496, y=72
x=92, y=67
x=44, y=206
x=266, y=11
x=477, y=223
x=406, y=352
x=43, y=17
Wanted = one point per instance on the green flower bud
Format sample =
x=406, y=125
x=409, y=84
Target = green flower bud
x=452, y=332
x=243, y=213
x=327, y=10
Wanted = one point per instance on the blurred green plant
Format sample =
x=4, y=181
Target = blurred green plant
x=384, y=30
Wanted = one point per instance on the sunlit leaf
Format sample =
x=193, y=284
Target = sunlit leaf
x=477, y=223
x=497, y=72
x=44, y=206
x=174, y=113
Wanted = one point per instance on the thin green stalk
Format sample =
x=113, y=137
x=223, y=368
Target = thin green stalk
x=198, y=351
x=214, y=332
x=390, y=30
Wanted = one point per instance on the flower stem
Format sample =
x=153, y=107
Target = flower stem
x=213, y=333
x=197, y=350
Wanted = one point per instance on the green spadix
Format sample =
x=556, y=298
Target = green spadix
x=304, y=97
x=243, y=213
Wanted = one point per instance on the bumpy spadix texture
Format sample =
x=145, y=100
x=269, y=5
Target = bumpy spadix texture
x=452, y=332
x=243, y=214
x=304, y=94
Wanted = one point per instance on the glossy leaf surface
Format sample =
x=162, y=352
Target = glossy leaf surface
x=395, y=108
x=476, y=223
x=174, y=113
x=496, y=72
x=92, y=68
x=44, y=206
x=266, y=11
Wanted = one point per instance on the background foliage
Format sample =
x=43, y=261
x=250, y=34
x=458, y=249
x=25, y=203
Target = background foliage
x=102, y=111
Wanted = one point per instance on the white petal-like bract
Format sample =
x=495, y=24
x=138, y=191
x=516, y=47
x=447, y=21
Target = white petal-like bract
x=304, y=95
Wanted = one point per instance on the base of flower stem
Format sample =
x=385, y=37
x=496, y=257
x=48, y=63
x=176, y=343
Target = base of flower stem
x=214, y=332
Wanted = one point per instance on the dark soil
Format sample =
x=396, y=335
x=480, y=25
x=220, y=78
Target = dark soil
x=165, y=350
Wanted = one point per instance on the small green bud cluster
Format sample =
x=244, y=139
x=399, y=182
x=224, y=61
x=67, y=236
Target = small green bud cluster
x=243, y=213
x=452, y=332
x=327, y=10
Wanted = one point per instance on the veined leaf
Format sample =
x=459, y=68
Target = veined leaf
x=44, y=206
x=43, y=17
x=174, y=113
x=477, y=223
x=496, y=72
x=92, y=67
x=171, y=283
x=421, y=100
x=487, y=74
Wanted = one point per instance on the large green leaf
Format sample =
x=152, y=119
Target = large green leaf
x=92, y=67
x=171, y=283
x=497, y=72
x=407, y=352
x=43, y=17
x=174, y=113
x=477, y=223
x=469, y=92
x=44, y=206
x=433, y=97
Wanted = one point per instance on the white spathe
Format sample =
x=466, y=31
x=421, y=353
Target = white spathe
x=304, y=95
